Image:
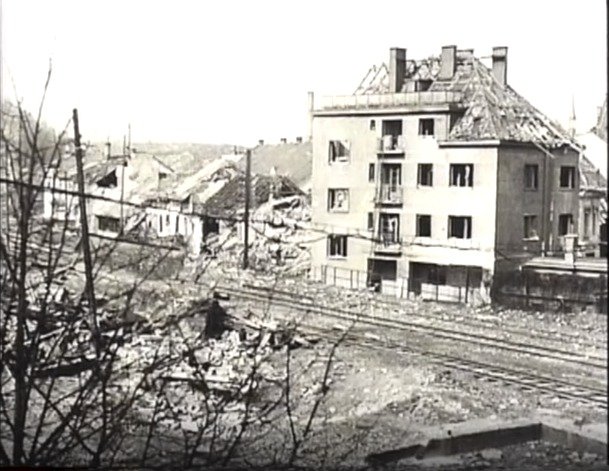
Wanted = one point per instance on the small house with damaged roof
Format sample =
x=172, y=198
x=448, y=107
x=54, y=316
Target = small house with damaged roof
x=435, y=174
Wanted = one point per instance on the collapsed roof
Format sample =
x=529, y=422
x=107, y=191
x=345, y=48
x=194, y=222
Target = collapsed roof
x=492, y=110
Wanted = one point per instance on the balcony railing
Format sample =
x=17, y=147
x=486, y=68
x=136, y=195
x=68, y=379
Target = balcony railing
x=390, y=194
x=388, y=100
x=388, y=242
x=391, y=143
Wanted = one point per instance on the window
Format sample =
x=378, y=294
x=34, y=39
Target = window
x=423, y=225
x=531, y=176
x=530, y=227
x=372, y=125
x=160, y=223
x=461, y=175
x=177, y=223
x=370, y=221
x=337, y=246
x=425, y=175
x=565, y=223
x=460, y=227
x=338, y=200
x=109, y=180
x=426, y=127
x=567, y=177
x=371, y=172
x=167, y=219
x=163, y=175
x=107, y=223
x=389, y=229
x=338, y=151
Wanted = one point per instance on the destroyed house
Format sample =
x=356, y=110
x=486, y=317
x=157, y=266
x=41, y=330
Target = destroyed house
x=228, y=204
x=435, y=174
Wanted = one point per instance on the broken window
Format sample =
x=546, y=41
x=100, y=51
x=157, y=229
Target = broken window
x=565, y=224
x=425, y=175
x=461, y=175
x=423, y=225
x=371, y=172
x=338, y=200
x=107, y=223
x=460, y=227
x=370, y=221
x=338, y=151
x=531, y=176
x=390, y=228
x=337, y=246
x=567, y=176
x=530, y=227
x=426, y=127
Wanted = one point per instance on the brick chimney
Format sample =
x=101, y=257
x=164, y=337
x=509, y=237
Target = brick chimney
x=397, y=69
x=500, y=64
x=448, y=64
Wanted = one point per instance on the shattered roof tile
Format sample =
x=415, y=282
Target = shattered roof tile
x=492, y=110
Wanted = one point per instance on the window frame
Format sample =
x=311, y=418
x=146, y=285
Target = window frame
x=467, y=234
x=419, y=217
x=371, y=172
x=424, y=123
x=572, y=177
x=339, y=244
x=570, y=223
x=468, y=179
x=333, y=156
x=332, y=196
x=420, y=167
x=534, y=167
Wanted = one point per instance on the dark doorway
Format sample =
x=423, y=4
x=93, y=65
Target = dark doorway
x=379, y=270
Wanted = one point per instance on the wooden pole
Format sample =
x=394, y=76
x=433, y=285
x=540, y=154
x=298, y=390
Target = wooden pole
x=246, y=216
x=83, y=220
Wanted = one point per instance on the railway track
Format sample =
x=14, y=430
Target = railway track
x=526, y=380
x=594, y=362
x=459, y=321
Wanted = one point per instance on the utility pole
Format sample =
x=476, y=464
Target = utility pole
x=83, y=222
x=246, y=216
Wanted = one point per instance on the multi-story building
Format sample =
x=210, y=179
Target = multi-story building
x=434, y=175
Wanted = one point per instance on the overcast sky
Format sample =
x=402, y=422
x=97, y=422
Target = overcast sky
x=235, y=71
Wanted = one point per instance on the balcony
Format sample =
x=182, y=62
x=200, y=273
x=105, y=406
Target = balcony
x=388, y=243
x=390, y=145
x=389, y=194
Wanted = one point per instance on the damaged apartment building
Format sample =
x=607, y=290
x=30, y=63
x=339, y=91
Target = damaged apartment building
x=434, y=175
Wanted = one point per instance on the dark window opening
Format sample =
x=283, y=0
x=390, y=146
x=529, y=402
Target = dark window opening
x=460, y=227
x=392, y=135
x=370, y=221
x=389, y=229
x=372, y=125
x=337, y=246
x=108, y=181
x=338, y=151
x=425, y=175
x=423, y=225
x=107, y=223
x=371, y=172
x=567, y=177
x=461, y=175
x=531, y=176
x=338, y=200
x=565, y=224
x=530, y=227
x=426, y=127
x=163, y=175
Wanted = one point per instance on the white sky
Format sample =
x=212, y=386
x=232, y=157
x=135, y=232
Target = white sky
x=235, y=71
